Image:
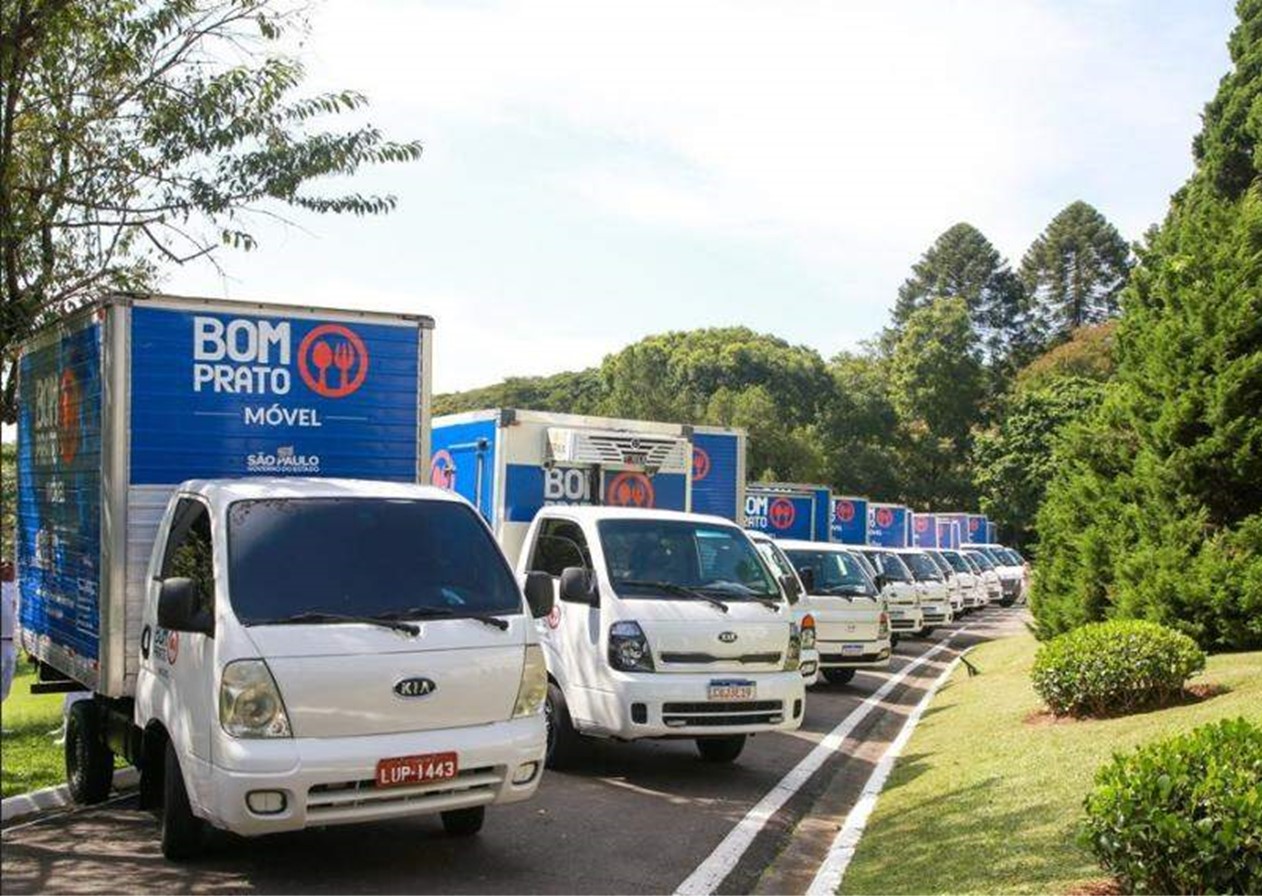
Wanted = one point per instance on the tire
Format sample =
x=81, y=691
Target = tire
x=464, y=822
x=893, y=640
x=183, y=833
x=723, y=748
x=89, y=761
x=926, y=631
x=839, y=676
x=563, y=740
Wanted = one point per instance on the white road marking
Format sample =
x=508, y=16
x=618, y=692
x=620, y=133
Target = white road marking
x=719, y=864
x=828, y=877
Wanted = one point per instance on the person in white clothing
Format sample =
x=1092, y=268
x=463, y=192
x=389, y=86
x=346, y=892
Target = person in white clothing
x=8, y=624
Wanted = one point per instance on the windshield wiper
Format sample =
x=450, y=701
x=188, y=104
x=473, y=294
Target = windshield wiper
x=672, y=588
x=320, y=617
x=770, y=602
x=427, y=612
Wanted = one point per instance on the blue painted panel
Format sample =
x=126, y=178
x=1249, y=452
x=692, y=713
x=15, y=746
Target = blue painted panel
x=951, y=528
x=241, y=394
x=850, y=520
x=59, y=492
x=992, y=533
x=976, y=533
x=528, y=487
x=715, y=467
x=822, y=515
x=462, y=458
x=887, y=525
x=778, y=514
x=924, y=530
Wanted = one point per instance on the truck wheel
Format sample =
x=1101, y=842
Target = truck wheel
x=563, y=742
x=839, y=676
x=183, y=833
x=721, y=749
x=89, y=761
x=464, y=822
x=926, y=631
x=893, y=641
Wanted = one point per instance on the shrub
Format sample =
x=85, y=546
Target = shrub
x=1183, y=815
x=1112, y=668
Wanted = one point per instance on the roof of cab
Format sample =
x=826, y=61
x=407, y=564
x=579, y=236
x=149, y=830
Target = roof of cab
x=802, y=544
x=225, y=491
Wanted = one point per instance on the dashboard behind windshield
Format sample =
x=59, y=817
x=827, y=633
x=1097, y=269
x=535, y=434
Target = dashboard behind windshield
x=835, y=573
x=714, y=560
x=924, y=569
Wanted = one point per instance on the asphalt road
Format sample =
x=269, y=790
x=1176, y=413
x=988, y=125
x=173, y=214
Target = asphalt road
x=630, y=818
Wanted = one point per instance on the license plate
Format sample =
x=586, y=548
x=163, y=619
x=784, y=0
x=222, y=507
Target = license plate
x=732, y=690
x=896, y=612
x=404, y=770
x=852, y=650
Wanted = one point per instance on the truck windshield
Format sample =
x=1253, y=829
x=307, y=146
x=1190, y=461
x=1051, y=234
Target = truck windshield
x=836, y=573
x=924, y=569
x=714, y=560
x=300, y=559
x=956, y=561
x=890, y=566
x=981, y=560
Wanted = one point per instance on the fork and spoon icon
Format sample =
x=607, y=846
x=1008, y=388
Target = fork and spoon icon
x=342, y=357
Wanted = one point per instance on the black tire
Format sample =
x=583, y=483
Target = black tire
x=839, y=676
x=563, y=740
x=722, y=748
x=893, y=641
x=183, y=833
x=926, y=631
x=464, y=822
x=89, y=760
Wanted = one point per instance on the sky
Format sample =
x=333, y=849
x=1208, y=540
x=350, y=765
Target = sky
x=596, y=172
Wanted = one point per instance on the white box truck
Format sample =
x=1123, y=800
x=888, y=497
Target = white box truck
x=220, y=536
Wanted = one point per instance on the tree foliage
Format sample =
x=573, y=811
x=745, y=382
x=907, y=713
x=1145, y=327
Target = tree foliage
x=1088, y=353
x=1156, y=510
x=1074, y=272
x=141, y=133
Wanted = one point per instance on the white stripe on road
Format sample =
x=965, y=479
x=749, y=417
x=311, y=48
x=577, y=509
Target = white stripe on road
x=828, y=877
x=710, y=873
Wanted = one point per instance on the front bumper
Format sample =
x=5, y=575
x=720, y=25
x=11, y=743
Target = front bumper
x=678, y=705
x=904, y=618
x=332, y=780
x=937, y=614
x=854, y=654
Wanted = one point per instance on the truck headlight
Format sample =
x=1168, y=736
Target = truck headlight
x=808, y=632
x=883, y=625
x=793, y=656
x=249, y=701
x=534, y=683
x=629, y=649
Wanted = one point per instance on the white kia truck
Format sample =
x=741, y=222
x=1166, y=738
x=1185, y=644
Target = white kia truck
x=935, y=595
x=666, y=624
x=986, y=574
x=896, y=584
x=852, y=625
x=1009, y=567
x=971, y=589
x=954, y=586
x=324, y=643
x=780, y=566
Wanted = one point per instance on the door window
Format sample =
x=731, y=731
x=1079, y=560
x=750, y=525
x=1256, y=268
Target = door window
x=560, y=544
x=190, y=552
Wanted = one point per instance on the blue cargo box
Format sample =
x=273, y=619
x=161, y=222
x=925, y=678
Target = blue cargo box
x=790, y=510
x=850, y=520
x=889, y=525
x=125, y=399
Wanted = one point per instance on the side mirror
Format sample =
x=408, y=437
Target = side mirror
x=880, y=581
x=539, y=596
x=807, y=575
x=576, y=586
x=791, y=589
x=177, y=608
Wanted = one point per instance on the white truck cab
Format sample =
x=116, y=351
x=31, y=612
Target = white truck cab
x=897, y=586
x=782, y=567
x=972, y=591
x=852, y=625
x=986, y=574
x=935, y=596
x=667, y=624
x=324, y=651
x=1008, y=567
x=954, y=586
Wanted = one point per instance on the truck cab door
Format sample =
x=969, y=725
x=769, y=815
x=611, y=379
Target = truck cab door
x=571, y=634
x=182, y=663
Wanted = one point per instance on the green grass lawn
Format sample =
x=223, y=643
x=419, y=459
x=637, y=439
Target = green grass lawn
x=983, y=801
x=29, y=758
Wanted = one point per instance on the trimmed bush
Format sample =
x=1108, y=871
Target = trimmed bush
x=1183, y=815
x=1113, y=668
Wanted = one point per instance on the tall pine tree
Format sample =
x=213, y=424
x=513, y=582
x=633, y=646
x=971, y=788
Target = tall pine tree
x=1074, y=272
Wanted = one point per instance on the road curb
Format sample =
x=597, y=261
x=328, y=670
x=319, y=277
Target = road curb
x=58, y=797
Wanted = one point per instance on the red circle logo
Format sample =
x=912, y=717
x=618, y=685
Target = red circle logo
x=781, y=513
x=629, y=490
x=973, y=524
x=844, y=511
x=554, y=617
x=700, y=464
x=339, y=357
x=884, y=517
x=69, y=397
x=442, y=470
x=922, y=524
x=173, y=647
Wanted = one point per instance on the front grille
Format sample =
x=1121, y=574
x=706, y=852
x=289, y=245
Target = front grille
x=344, y=800
x=718, y=713
x=849, y=657
x=704, y=658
